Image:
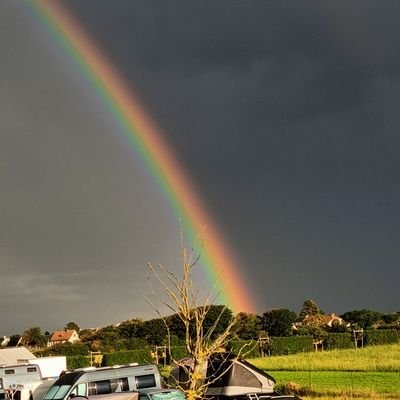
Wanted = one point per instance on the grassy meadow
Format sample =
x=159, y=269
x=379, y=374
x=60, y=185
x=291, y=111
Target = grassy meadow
x=369, y=373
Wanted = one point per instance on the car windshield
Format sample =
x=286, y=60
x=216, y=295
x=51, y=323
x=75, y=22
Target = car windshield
x=57, y=392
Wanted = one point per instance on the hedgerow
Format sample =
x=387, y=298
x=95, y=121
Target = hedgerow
x=291, y=345
x=127, y=357
x=339, y=341
x=378, y=336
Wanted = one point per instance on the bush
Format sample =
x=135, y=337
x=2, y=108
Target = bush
x=339, y=341
x=291, y=345
x=77, y=362
x=384, y=336
x=127, y=357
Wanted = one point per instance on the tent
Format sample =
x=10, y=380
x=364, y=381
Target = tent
x=228, y=375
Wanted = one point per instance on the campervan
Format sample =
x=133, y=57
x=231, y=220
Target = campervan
x=104, y=380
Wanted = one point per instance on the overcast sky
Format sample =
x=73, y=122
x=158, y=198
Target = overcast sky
x=284, y=114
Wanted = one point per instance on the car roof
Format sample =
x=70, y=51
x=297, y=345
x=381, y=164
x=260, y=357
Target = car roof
x=158, y=390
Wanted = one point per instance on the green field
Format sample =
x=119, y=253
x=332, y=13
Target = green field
x=372, y=372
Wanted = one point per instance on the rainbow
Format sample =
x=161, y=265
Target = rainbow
x=147, y=140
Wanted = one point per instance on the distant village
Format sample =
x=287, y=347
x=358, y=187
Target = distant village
x=136, y=333
x=131, y=355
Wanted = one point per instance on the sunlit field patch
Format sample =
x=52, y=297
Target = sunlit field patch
x=374, y=358
x=368, y=373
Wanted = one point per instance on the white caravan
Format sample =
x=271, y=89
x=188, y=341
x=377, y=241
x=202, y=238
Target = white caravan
x=22, y=382
x=104, y=380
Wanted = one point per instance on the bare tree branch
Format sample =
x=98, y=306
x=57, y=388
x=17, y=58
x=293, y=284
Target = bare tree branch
x=182, y=299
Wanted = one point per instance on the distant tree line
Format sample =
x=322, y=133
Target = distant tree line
x=137, y=333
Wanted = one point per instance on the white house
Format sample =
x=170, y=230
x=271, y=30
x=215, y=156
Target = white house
x=67, y=336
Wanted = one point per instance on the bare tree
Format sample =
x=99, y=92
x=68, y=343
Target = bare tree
x=183, y=299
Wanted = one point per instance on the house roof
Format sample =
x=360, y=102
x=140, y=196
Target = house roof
x=332, y=317
x=61, y=336
x=15, y=355
x=322, y=318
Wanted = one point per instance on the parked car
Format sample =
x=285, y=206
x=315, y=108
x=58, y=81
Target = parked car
x=161, y=394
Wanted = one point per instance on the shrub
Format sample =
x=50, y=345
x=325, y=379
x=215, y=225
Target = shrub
x=384, y=336
x=291, y=345
x=339, y=341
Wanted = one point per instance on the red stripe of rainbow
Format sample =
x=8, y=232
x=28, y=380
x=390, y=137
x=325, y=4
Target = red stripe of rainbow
x=147, y=140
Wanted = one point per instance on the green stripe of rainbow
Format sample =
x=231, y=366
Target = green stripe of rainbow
x=146, y=139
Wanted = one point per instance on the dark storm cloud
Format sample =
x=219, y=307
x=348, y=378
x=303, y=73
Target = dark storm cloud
x=320, y=54
x=284, y=113
x=289, y=106
x=76, y=214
